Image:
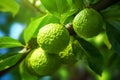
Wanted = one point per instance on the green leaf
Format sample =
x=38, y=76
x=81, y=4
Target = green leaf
x=7, y=42
x=112, y=13
x=116, y=24
x=64, y=17
x=32, y=29
x=91, y=2
x=46, y=20
x=8, y=60
x=9, y=6
x=114, y=61
x=3, y=56
x=78, y=50
x=94, y=57
x=62, y=9
x=56, y=7
x=70, y=2
x=113, y=34
x=79, y=4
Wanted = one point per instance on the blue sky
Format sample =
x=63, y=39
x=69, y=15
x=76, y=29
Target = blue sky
x=15, y=31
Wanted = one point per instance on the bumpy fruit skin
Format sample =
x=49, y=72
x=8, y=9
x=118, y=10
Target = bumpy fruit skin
x=88, y=23
x=41, y=63
x=25, y=74
x=53, y=38
x=67, y=56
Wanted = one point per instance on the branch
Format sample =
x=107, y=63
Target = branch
x=69, y=27
x=24, y=52
x=103, y=4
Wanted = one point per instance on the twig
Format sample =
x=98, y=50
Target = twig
x=24, y=52
x=103, y=4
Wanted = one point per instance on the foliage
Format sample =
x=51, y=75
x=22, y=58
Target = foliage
x=11, y=6
x=7, y=42
x=63, y=12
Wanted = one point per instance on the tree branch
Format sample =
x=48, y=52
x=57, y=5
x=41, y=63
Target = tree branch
x=103, y=4
x=24, y=52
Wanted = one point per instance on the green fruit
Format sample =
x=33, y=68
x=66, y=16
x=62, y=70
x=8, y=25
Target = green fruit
x=67, y=56
x=53, y=38
x=88, y=23
x=41, y=63
x=25, y=74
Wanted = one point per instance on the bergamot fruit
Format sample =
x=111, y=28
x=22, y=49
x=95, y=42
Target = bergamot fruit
x=41, y=63
x=67, y=56
x=88, y=23
x=53, y=38
x=25, y=74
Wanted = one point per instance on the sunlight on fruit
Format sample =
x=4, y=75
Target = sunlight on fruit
x=99, y=39
x=105, y=75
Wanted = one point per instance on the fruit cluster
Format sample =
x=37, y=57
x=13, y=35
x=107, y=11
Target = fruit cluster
x=56, y=44
x=55, y=49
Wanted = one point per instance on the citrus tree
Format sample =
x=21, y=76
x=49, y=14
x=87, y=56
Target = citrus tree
x=62, y=38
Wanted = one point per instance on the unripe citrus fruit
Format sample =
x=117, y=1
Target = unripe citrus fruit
x=53, y=38
x=25, y=74
x=67, y=56
x=87, y=23
x=41, y=63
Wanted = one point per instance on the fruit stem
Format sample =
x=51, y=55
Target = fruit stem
x=69, y=27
